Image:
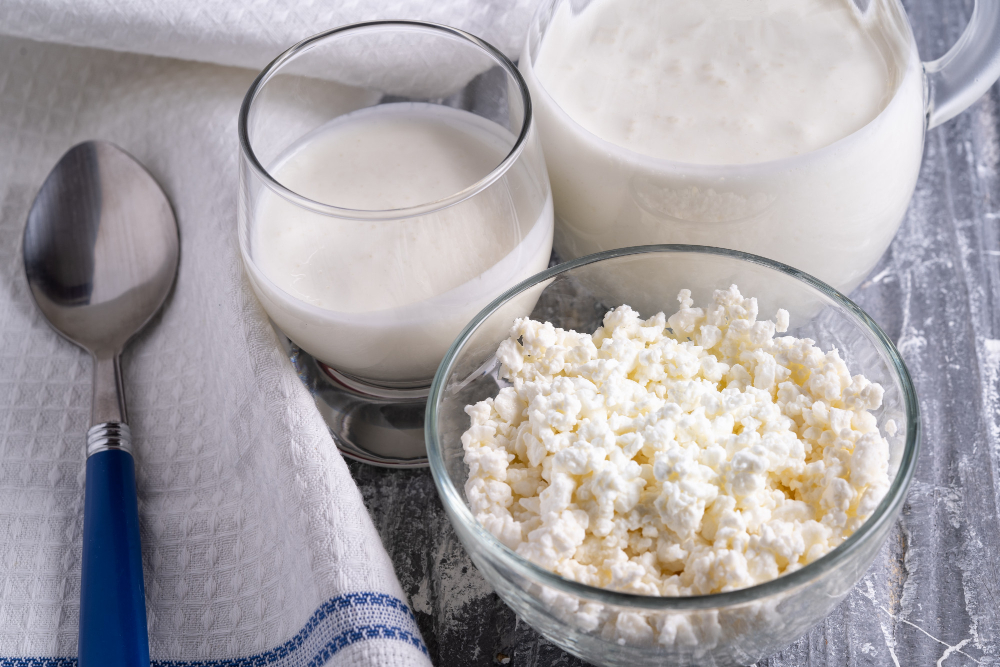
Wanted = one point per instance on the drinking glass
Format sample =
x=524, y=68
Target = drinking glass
x=370, y=356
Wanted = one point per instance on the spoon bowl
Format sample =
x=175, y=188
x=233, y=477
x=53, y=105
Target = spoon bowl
x=97, y=275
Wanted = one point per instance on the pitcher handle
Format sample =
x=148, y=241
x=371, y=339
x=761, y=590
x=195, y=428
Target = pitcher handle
x=961, y=76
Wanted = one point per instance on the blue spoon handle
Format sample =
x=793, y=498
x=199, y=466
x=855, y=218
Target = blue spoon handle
x=112, y=599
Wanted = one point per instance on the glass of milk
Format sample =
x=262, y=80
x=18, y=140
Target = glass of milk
x=392, y=185
x=791, y=129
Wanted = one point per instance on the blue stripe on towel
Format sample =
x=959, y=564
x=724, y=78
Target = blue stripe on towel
x=338, y=623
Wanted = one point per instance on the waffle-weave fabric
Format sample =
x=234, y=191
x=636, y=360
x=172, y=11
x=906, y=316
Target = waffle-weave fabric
x=257, y=548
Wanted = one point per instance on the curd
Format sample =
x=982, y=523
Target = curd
x=687, y=455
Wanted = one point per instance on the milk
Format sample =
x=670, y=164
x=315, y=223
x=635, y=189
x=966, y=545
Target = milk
x=792, y=130
x=383, y=299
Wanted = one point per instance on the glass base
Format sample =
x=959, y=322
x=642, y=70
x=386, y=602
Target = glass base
x=376, y=425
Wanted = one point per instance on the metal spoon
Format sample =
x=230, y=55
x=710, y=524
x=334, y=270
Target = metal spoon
x=100, y=252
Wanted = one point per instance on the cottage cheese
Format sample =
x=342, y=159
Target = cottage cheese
x=686, y=455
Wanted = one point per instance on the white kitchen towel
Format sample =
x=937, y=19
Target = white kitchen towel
x=257, y=548
x=244, y=33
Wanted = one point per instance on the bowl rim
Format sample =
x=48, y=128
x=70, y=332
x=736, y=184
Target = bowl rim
x=886, y=510
x=307, y=44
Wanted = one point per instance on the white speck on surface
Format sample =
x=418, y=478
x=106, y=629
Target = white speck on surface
x=990, y=356
x=881, y=275
x=911, y=345
x=952, y=500
x=421, y=601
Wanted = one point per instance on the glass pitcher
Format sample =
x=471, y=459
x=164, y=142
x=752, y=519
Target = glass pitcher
x=831, y=211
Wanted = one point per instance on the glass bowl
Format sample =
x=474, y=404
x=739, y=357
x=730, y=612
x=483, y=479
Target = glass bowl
x=371, y=248
x=613, y=628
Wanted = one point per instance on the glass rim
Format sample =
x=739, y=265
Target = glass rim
x=884, y=512
x=272, y=68
x=708, y=169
